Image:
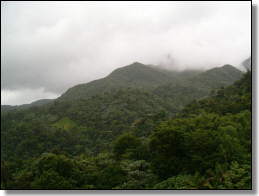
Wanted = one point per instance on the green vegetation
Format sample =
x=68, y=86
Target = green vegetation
x=183, y=92
x=231, y=99
x=142, y=135
x=65, y=123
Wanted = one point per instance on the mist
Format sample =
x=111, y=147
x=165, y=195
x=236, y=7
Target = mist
x=48, y=47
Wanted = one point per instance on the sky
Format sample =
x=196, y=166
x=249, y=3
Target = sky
x=48, y=47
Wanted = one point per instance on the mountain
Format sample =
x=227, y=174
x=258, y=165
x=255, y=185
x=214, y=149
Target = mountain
x=147, y=77
x=219, y=76
x=199, y=86
x=136, y=75
x=41, y=102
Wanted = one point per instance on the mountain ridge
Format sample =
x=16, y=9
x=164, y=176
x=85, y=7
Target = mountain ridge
x=138, y=75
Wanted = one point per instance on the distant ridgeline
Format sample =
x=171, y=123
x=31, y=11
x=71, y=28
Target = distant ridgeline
x=41, y=102
x=138, y=128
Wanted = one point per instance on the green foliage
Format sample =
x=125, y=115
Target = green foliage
x=176, y=182
x=139, y=175
x=65, y=123
x=111, y=176
x=6, y=175
x=196, y=144
x=166, y=148
x=126, y=146
x=56, y=172
x=52, y=180
x=198, y=181
x=145, y=126
x=23, y=180
x=237, y=177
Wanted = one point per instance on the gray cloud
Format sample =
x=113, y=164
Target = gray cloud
x=51, y=46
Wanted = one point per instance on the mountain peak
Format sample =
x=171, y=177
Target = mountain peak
x=224, y=75
x=136, y=63
x=228, y=66
x=139, y=75
x=131, y=67
x=135, y=75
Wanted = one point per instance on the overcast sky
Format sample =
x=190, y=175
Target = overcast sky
x=48, y=47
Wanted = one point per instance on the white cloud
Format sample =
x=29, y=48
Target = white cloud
x=24, y=96
x=57, y=45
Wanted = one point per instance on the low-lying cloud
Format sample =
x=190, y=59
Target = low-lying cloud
x=56, y=45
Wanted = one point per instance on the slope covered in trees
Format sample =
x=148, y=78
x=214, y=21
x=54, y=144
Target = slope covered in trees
x=197, y=87
x=132, y=138
x=89, y=123
x=231, y=99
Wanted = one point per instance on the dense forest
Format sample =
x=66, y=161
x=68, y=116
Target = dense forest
x=138, y=128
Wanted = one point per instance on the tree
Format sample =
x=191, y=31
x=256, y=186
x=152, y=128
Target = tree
x=139, y=175
x=52, y=180
x=126, y=145
x=237, y=177
x=167, y=150
x=57, y=172
x=6, y=175
x=111, y=176
x=175, y=182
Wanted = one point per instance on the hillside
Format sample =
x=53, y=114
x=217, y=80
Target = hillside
x=41, y=102
x=97, y=121
x=219, y=77
x=231, y=99
x=183, y=92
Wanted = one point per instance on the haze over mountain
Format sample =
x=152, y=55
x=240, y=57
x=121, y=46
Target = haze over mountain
x=246, y=64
